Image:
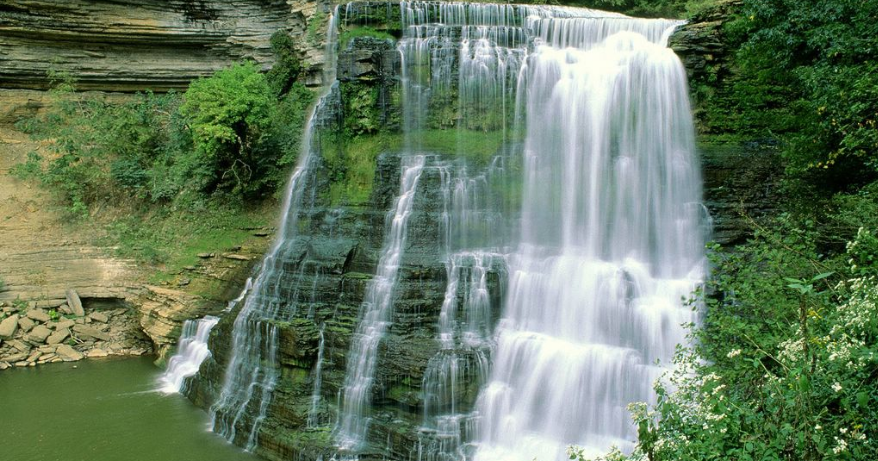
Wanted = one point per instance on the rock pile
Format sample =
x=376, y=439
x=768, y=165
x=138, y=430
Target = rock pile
x=30, y=335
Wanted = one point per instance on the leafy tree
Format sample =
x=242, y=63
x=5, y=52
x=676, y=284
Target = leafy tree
x=229, y=114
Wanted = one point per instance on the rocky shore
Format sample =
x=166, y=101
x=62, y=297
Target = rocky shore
x=31, y=335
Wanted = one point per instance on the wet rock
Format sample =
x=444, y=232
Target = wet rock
x=8, y=326
x=75, y=303
x=87, y=331
x=68, y=354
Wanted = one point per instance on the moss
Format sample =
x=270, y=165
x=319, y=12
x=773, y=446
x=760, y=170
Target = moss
x=363, y=31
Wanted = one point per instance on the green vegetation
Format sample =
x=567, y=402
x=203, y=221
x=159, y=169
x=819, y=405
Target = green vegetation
x=351, y=161
x=364, y=31
x=148, y=171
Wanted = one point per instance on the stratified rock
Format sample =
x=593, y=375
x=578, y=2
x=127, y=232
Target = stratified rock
x=75, y=303
x=83, y=330
x=124, y=45
x=65, y=309
x=8, y=326
x=14, y=357
x=39, y=334
x=58, y=336
x=34, y=356
x=68, y=354
x=38, y=315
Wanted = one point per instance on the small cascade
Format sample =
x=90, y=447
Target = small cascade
x=252, y=371
x=314, y=412
x=192, y=350
x=376, y=312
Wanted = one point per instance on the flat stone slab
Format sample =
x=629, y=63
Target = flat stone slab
x=68, y=353
x=14, y=357
x=99, y=317
x=84, y=330
x=97, y=353
x=58, y=336
x=75, y=303
x=39, y=315
x=25, y=324
x=39, y=334
x=8, y=326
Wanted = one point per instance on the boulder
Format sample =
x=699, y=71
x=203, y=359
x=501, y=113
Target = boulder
x=58, y=336
x=38, y=315
x=83, y=330
x=75, y=303
x=99, y=317
x=68, y=354
x=8, y=326
x=38, y=334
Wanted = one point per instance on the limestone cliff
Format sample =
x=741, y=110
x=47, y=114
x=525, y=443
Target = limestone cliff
x=135, y=45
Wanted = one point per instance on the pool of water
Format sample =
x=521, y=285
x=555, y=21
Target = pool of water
x=102, y=410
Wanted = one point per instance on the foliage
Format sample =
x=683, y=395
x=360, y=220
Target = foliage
x=362, y=31
x=287, y=66
x=229, y=114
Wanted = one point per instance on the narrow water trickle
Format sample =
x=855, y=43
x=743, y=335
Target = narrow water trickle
x=192, y=350
x=376, y=312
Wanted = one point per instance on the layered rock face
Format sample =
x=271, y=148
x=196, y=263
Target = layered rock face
x=136, y=45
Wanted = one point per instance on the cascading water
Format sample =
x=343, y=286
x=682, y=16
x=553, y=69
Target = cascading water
x=611, y=239
x=376, y=312
x=252, y=373
x=566, y=255
x=192, y=350
x=611, y=224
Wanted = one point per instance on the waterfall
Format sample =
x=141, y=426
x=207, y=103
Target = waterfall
x=252, y=373
x=376, y=312
x=191, y=352
x=314, y=412
x=611, y=239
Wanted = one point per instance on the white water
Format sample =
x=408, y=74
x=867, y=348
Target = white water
x=611, y=240
x=611, y=231
x=252, y=372
x=314, y=412
x=376, y=313
x=192, y=351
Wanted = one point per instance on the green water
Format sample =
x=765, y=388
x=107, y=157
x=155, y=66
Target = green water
x=102, y=410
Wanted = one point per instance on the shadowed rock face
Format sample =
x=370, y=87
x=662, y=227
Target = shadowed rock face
x=135, y=45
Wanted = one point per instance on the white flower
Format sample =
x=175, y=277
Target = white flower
x=842, y=446
x=836, y=387
x=734, y=353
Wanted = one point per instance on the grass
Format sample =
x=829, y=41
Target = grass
x=171, y=241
